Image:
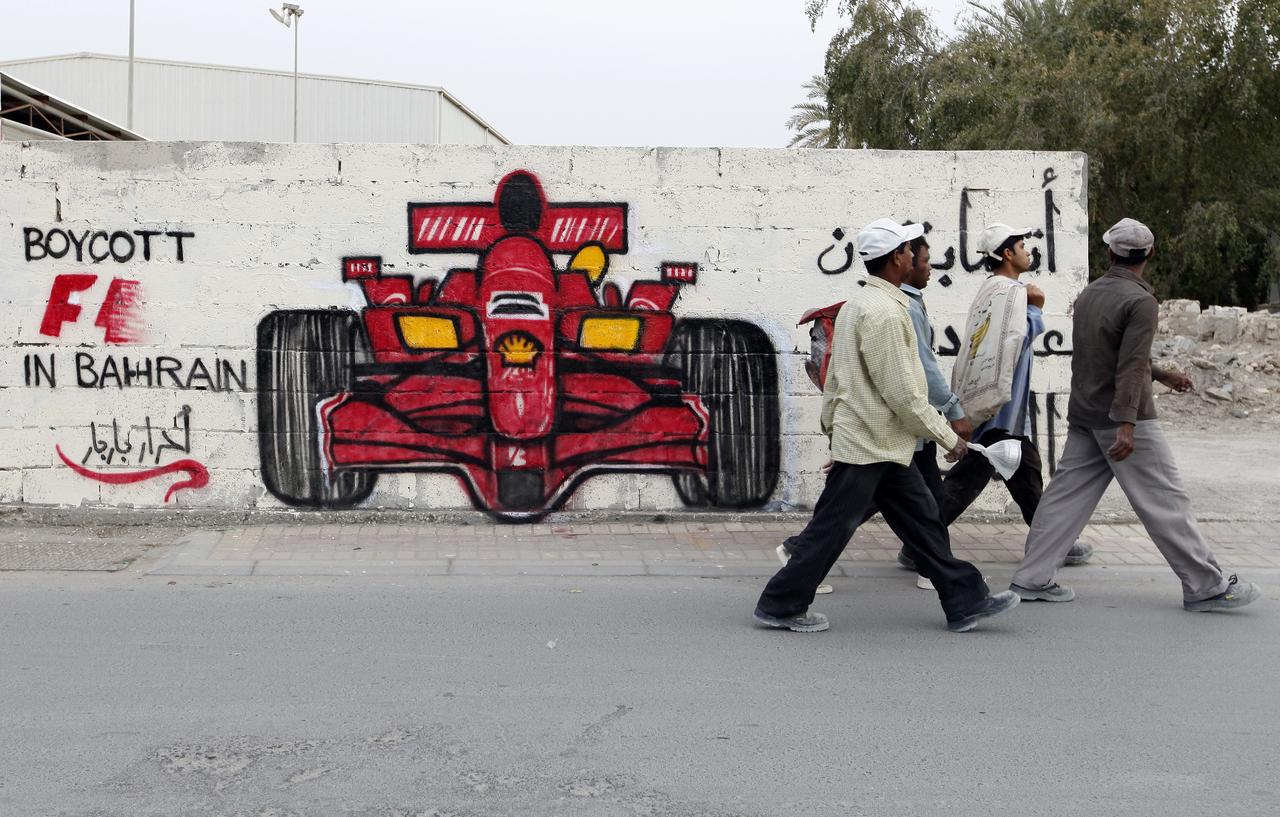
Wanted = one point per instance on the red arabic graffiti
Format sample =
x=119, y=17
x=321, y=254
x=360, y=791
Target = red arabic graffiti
x=197, y=474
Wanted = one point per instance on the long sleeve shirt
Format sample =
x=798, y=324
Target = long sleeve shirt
x=875, y=404
x=940, y=395
x=1114, y=321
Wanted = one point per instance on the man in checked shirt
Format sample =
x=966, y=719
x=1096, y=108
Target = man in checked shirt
x=874, y=408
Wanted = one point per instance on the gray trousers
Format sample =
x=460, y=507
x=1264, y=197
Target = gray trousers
x=1149, y=478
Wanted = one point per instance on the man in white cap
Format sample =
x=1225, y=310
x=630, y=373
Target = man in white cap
x=1113, y=432
x=993, y=378
x=874, y=407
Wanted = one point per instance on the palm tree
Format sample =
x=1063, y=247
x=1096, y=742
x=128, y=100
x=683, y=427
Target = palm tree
x=811, y=120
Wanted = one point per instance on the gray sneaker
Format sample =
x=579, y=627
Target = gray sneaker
x=1053, y=592
x=1079, y=554
x=990, y=607
x=807, y=622
x=906, y=562
x=1236, y=595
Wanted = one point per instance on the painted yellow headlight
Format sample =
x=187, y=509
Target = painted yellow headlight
x=610, y=334
x=427, y=332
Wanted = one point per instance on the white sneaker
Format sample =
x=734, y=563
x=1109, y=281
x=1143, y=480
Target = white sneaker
x=923, y=583
x=784, y=557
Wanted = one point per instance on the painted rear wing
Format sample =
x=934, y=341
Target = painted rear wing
x=475, y=226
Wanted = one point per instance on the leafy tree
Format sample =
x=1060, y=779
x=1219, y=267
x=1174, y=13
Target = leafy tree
x=1177, y=103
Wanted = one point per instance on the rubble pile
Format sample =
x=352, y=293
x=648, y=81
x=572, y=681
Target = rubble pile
x=1233, y=357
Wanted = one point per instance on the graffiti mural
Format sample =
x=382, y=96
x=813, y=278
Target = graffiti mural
x=437, y=328
x=121, y=449
x=523, y=375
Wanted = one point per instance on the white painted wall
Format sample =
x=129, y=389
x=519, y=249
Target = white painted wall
x=271, y=222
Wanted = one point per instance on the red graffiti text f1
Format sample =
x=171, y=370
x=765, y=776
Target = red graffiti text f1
x=118, y=314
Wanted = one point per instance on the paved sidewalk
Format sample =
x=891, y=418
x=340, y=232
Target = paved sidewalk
x=685, y=547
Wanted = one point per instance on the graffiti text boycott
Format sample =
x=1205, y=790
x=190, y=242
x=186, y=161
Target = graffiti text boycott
x=96, y=246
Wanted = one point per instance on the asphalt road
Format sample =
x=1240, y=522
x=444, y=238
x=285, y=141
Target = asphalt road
x=639, y=697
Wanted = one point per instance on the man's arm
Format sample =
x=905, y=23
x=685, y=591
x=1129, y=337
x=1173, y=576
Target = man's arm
x=887, y=344
x=1172, y=378
x=940, y=395
x=1133, y=371
x=1133, y=360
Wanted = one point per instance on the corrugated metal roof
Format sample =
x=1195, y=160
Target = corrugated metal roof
x=479, y=121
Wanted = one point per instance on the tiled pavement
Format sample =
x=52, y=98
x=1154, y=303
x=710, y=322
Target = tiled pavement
x=684, y=547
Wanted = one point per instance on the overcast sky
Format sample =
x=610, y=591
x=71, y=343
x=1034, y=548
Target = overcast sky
x=641, y=72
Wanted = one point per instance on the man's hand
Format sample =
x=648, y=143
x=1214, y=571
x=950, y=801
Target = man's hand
x=1035, y=296
x=1177, y=381
x=826, y=467
x=1123, y=446
x=958, y=451
x=963, y=428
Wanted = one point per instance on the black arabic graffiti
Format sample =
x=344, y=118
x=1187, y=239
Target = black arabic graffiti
x=1051, y=343
x=1051, y=414
x=111, y=449
x=950, y=254
x=838, y=235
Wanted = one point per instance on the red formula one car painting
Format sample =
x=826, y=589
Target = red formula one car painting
x=521, y=375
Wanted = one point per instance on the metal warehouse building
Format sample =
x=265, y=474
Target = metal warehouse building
x=191, y=101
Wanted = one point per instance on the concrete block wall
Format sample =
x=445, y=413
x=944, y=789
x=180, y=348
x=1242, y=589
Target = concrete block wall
x=139, y=282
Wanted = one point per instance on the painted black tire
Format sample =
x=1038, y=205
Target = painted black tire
x=304, y=356
x=732, y=366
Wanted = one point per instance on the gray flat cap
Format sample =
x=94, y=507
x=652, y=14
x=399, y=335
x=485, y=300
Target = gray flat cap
x=1127, y=235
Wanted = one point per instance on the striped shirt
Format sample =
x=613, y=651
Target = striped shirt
x=875, y=403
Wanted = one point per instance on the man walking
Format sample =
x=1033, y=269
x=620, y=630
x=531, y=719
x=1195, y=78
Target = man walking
x=873, y=409
x=1113, y=432
x=938, y=393
x=993, y=378
x=939, y=390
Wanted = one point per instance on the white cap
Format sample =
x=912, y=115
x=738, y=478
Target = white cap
x=883, y=236
x=996, y=234
x=1127, y=235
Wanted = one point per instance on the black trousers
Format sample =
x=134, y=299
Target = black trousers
x=926, y=462
x=967, y=478
x=904, y=500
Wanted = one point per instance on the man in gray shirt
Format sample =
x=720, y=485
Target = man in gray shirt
x=1113, y=432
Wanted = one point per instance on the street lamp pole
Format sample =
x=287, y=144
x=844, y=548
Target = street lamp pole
x=295, y=74
x=129, y=117
x=290, y=16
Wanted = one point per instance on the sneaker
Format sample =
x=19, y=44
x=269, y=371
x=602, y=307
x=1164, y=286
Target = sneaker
x=990, y=607
x=784, y=556
x=807, y=622
x=1079, y=554
x=905, y=562
x=1236, y=595
x=1052, y=592
x=923, y=583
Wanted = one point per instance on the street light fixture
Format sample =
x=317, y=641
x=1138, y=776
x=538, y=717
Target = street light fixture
x=286, y=16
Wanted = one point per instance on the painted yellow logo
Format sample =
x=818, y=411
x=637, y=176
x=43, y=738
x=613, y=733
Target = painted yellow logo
x=517, y=349
x=976, y=339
